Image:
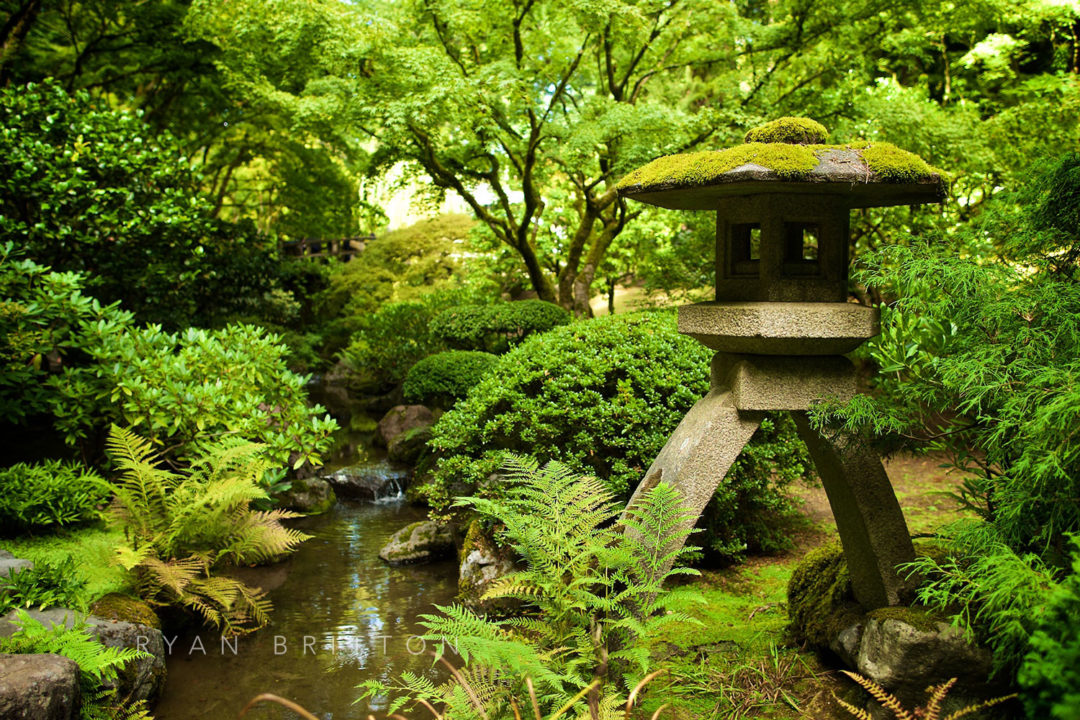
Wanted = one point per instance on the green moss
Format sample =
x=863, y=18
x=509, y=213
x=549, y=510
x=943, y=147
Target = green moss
x=117, y=606
x=94, y=549
x=820, y=600
x=917, y=617
x=789, y=162
x=793, y=130
x=892, y=164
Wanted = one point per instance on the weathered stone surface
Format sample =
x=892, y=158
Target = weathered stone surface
x=142, y=679
x=770, y=382
x=906, y=649
x=375, y=482
x=868, y=517
x=11, y=564
x=38, y=687
x=419, y=542
x=399, y=419
x=117, y=606
x=482, y=562
x=311, y=496
x=779, y=328
x=407, y=447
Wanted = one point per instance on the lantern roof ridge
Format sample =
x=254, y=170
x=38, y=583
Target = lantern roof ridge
x=793, y=160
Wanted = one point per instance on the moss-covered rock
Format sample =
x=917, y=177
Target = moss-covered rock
x=820, y=599
x=311, y=496
x=419, y=542
x=116, y=606
x=793, y=130
x=482, y=562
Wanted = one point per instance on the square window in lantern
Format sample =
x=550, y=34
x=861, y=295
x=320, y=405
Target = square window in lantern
x=801, y=242
x=745, y=248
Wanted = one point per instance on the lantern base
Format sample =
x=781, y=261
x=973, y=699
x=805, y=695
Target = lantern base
x=779, y=328
x=771, y=382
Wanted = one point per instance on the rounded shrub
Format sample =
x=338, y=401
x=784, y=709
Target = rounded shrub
x=603, y=396
x=496, y=327
x=444, y=378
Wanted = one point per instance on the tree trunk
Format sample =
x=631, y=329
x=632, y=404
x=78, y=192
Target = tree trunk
x=14, y=32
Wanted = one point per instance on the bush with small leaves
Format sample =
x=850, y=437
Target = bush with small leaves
x=45, y=585
x=49, y=495
x=496, y=327
x=444, y=378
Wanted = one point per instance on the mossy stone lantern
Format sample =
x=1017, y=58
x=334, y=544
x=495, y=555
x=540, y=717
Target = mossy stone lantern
x=781, y=323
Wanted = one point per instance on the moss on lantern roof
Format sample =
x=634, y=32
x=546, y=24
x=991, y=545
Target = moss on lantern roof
x=885, y=161
x=792, y=130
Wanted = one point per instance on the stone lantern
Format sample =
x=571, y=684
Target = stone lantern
x=781, y=322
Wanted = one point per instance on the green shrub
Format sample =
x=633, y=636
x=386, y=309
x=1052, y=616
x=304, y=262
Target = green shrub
x=603, y=396
x=49, y=495
x=497, y=326
x=98, y=665
x=178, y=387
x=181, y=528
x=87, y=188
x=444, y=378
x=43, y=586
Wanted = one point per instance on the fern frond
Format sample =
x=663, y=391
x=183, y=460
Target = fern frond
x=886, y=699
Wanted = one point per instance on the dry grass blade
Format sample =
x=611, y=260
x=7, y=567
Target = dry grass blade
x=570, y=703
x=269, y=697
x=532, y=697
x=659, y=710
x=464, y=683
x=637, y=688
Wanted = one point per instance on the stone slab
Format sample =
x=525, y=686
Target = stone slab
x=771, y=382
x=38, y=687
x=11, y=564
x=779, y=328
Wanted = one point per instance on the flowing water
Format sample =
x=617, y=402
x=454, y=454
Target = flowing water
x=341, y=616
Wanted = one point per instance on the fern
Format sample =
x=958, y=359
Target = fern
x=933, y=710
x=98, y=664
x=592, y=596
x=182, y=528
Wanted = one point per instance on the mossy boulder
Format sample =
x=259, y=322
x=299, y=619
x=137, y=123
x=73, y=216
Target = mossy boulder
x=791, y=130
x=409, y=446
x=419, y=542
x=117, y=606
x=821, y=603
x=482, y=562
x=311, y=496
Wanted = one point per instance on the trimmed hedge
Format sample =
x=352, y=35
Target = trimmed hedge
x=498, y=326
x=603, y=396
x=444, y=378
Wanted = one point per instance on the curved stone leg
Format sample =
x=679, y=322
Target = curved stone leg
x=868, y=517
x=700, y=452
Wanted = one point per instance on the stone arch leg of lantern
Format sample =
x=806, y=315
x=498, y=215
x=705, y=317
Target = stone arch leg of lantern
x=701, y=451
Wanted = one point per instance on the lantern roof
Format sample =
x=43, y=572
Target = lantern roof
x=787, y=156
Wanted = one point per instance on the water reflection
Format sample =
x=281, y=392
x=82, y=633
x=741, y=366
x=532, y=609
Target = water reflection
x=341, y=617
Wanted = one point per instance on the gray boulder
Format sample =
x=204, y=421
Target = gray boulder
x=482, y=563
x=399, y=419
x=311, y=496
x=419, y=542
x=407, y=447
x=378, y=481
x=9, y=563
x=38, y=687
x=141, y=679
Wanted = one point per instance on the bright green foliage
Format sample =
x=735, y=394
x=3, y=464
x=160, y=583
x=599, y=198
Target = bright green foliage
x=95, y=548
x=496, y=326
x=84, y=188
x=43, y=586
x=603, y=396
x=817, y=592
x=177, y=387
x=182, y=528
x=398, y=335
x=444, y=378
x=981, y=360
x=98, y=664
x=791, y=130
x=42, y=316
x=1050, y=674
x=48, y=495
x=594, y=596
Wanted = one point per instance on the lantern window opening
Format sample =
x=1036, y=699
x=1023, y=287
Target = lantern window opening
x=802, y=248
x=745, y=249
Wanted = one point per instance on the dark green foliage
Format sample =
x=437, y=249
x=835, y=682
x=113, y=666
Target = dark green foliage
x=498, y=326
x=98, y=664
x=444, y=378
x=43, y=586
x=1050, y=673
x=397, y=336
x=603, y=396
x=593, y=596
x=85, y=188
x=49, y=495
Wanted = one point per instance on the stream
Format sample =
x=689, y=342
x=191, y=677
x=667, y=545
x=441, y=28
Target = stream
x=341, y=616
